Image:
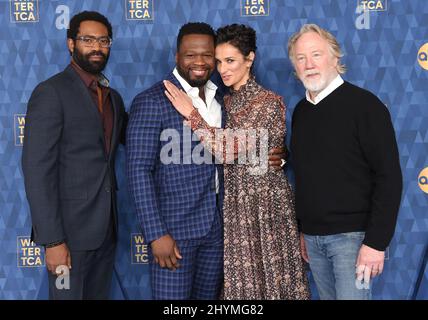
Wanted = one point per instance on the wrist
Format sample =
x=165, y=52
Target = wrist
x=54, y=244
x=191, y=114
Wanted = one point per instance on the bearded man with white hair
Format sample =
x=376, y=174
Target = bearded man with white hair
x=348, y=176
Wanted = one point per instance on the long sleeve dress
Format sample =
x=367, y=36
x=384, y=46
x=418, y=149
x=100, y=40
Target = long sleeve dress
x=262, y=257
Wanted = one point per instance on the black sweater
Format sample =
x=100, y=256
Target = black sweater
x=345, y=157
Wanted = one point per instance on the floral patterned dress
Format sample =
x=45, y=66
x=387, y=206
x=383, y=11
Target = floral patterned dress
x=262, y=257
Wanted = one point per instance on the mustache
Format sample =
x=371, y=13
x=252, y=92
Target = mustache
x=310, y=72
x=96, y=53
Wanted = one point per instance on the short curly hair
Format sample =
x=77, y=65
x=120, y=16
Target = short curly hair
x=76, y=20
x=194, y=28
x=240, y=36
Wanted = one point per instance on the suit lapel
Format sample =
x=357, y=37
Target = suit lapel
x=175, y=118
x=115, y=131
x=82, y=91
x=174, y=80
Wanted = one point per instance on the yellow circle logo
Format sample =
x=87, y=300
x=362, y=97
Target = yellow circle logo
x=423, y=56
x=423, y=180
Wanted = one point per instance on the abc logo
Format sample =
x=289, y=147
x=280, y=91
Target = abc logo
x=423, y=56
x=423, y=180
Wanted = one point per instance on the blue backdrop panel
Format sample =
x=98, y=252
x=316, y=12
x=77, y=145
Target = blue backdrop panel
x=384, y=52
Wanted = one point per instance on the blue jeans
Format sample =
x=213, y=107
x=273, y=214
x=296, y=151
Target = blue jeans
x=332, y=261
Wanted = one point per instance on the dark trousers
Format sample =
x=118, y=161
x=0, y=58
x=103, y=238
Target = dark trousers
x=90, y=274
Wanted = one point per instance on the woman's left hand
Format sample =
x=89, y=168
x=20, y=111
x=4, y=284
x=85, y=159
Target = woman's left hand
x=179, y=99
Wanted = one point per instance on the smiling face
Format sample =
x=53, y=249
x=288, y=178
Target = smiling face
x=91, y=59
x=314, y=63
x=233, y=66
x=195, y=59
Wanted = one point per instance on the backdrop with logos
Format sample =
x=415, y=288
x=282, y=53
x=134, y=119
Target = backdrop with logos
x=386, y=51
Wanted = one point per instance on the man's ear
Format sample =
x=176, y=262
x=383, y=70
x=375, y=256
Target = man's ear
x=176, y=58
x=70, y=45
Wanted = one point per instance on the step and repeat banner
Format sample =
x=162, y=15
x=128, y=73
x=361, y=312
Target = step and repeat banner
x=386, y=51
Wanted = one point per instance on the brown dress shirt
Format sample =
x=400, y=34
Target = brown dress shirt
x=101, y=96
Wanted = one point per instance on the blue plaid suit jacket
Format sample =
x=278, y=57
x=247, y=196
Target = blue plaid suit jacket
x=175, y=198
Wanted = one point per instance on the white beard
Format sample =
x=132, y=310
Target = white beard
x=315, y=85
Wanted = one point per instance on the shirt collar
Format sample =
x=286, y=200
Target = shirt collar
x=336, y=83
x=210, y=87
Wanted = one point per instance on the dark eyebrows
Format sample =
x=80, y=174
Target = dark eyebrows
x=227, y=58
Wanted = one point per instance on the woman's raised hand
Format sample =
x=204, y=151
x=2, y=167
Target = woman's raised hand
x=179, y=99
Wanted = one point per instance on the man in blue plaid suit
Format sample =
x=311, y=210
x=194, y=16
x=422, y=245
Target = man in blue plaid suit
x=179, y=199
x=178, y=203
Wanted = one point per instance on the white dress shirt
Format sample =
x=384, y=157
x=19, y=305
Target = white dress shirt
x=209, y=111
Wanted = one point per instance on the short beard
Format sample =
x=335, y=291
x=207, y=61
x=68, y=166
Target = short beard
x=193, y=83
x=315, y=86
x=319, y=85
x=90, y=67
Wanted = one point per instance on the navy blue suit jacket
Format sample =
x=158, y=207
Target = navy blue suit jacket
x=177, y=198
